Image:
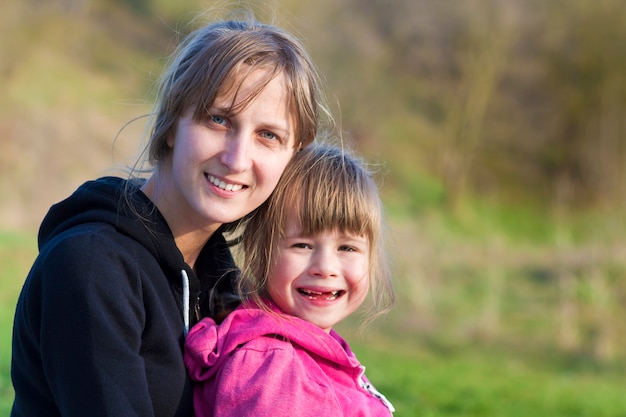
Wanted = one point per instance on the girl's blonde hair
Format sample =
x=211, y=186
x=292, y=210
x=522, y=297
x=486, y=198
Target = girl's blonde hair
x=327, y=189
x=214, y=60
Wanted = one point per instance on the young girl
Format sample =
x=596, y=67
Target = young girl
x=125, y=266
x=312, y=252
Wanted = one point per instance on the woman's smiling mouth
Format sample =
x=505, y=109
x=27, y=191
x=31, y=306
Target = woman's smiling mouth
x=223, y=185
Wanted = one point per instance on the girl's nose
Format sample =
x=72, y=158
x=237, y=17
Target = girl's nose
x=324, y=264
x=236, y=155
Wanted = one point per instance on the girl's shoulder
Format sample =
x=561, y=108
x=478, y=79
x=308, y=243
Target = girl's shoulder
x=269, y=342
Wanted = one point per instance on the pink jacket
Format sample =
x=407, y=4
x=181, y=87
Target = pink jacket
x=257, y=364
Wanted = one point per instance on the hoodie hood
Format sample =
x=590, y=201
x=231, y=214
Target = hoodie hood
x=122, y=205
x=209, y=345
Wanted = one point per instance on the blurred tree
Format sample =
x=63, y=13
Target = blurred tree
x=524, y=99
x=586, y=67
x=484, y=50
x=557, y=131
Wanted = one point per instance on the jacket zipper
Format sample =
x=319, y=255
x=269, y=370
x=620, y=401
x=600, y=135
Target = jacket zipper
x=370, y=388
x=196, y=309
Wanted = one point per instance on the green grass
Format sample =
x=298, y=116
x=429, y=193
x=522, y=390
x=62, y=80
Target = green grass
x=476, y=382
x=17, y=253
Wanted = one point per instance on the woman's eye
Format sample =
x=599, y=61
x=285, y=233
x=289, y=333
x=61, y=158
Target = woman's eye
x=218, y=119
x=268, y=135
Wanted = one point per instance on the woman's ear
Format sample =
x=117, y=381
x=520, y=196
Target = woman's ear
x=170, y=140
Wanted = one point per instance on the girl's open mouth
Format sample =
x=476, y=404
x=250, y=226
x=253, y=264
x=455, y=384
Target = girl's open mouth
x=317, y=295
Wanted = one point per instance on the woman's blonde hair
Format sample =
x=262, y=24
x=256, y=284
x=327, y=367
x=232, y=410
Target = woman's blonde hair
x=211, y=60
x=327, y=189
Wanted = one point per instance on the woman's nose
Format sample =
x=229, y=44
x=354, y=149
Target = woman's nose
x=236, y=155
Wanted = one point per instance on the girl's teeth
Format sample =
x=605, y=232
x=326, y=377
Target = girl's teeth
x=331, y=295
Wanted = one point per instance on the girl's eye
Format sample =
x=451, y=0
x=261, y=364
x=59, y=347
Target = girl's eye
x=301, y=245
x=347, y=249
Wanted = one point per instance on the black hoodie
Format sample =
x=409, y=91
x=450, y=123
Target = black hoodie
x=99, y=326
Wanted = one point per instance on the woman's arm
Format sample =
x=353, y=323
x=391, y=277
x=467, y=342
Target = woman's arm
x=80, y=330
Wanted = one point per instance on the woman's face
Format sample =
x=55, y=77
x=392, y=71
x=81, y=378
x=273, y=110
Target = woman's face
x=225, y=166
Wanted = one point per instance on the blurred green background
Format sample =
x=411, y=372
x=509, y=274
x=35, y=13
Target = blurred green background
x=499, y=127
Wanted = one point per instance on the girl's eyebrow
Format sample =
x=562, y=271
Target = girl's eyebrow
x=295, y=235
x=355, y=238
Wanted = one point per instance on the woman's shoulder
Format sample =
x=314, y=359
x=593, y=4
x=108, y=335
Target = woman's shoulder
x=89, y=252
x=88, y=242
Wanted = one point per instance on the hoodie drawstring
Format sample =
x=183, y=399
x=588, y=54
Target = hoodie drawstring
x=185, y=301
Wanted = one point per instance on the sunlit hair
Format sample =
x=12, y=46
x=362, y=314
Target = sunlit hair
x=215, y=59
x=327, y=189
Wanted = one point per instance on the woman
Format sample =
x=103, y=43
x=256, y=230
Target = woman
x=126, y=266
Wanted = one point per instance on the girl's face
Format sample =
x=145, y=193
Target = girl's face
x=225, y=166
x=321, y=279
